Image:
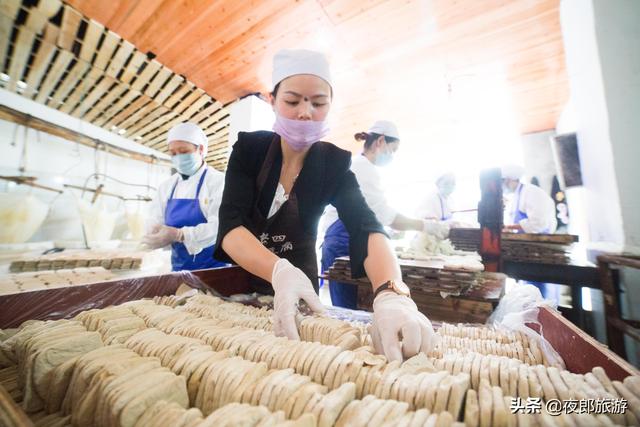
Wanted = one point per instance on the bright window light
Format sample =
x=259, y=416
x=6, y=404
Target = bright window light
x=586, y=299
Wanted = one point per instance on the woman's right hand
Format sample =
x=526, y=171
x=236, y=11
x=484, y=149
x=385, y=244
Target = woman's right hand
x=290, y=285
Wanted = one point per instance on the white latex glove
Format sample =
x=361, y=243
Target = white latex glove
x=439, y=229
x=399, y=329
x=290, y=285
x=161, y=236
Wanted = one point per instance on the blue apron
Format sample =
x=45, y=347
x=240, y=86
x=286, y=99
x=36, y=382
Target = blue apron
x=187, y=213
x=443, y=217
x=336, y=244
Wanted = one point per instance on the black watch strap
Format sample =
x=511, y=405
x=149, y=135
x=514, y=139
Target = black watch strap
x=385, y=286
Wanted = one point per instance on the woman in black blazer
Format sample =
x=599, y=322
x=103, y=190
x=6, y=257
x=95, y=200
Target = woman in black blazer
x=277, y=185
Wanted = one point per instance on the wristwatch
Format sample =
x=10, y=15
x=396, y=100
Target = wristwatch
x=399, y=288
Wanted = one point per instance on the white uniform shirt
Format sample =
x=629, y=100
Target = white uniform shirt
x=434, y=207
x=202, y=235
x=368, y=177
x=537, y=205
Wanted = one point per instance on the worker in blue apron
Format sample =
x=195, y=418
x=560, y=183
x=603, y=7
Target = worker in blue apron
x=380, y=143
x=184, y=213
x=533, y=211
x=436, y=204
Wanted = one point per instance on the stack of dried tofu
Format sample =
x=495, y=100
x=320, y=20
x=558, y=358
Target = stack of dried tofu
x=111, y=260
x=23, y=282
x=213, y=363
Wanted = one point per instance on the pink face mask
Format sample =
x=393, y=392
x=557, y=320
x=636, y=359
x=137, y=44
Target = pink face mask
x=300, y=134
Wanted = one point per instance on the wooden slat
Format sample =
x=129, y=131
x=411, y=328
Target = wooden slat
x=148, y=118
x=104, y=101
x=167, y=115
x=163, y=75
x=156, y=136
x=193, y=103
x=22, y=46
x=127, y=111
x=182, y=91
x=224, y=122
x=43, y=57
x=55, y=72
x=146, y=75
x=128, y=97
x=204, y=114
x=166, y=91
x=9, y=10
x=107, y=47
x=70, y=22
x=137, y=115
x=92, y=98
x=81, y=91
x=133, y=66
x=70, y=81
x=214, y=118
x=90, y=40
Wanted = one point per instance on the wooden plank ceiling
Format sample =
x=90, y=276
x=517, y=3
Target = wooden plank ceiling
x=429, y=65
x=52, y=54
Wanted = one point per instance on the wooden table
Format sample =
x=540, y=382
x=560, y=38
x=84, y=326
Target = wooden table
x=473, y=305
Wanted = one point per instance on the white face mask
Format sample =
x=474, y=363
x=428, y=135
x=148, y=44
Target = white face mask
x=384, y=158
x=187, y=163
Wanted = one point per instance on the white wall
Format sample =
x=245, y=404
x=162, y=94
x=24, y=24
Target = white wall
x=538, y=158
x=601, y=41
x=250, y=114
x=55, y=161
x=617, y=28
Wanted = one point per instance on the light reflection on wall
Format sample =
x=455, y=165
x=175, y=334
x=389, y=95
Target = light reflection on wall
x=481, y=132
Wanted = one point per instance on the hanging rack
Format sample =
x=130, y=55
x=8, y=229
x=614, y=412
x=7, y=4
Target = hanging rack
x=30, y=181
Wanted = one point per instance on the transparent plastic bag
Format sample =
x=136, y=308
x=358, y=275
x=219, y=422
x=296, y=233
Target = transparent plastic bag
x=520, y=307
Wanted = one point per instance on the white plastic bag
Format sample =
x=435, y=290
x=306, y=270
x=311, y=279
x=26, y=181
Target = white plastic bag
x=97, y=220
x=20, y=215
x=519, y=307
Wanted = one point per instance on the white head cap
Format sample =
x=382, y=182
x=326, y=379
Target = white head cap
x=445, y=176
x=386, y=128
x=188, y=132
x=514, y=172
x=290, y=62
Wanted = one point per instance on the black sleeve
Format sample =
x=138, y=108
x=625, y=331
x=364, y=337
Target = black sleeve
x=358, y=218
x=238, y=195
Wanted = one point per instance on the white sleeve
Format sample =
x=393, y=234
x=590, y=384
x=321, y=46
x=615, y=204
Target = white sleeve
x=204, y=235
x=540, y=211
x=373, y=193
x=429, y=208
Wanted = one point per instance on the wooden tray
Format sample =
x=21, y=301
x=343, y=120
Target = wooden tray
x=580, y=351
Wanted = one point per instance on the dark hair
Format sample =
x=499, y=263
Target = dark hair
x=274, y=92
x=370, y=138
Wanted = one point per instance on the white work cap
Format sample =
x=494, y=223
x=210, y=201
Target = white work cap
x=386, y=128
x=290, y=62
x=445, y=176
x=514, y=172
x=188, y=132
